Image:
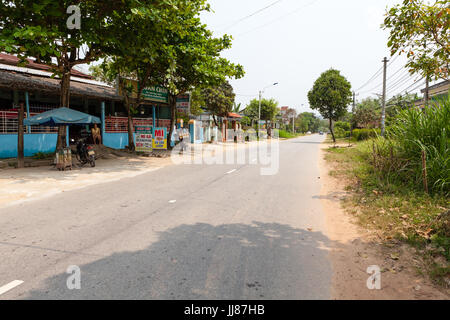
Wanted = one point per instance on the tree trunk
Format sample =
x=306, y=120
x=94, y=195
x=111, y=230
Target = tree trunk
x=20, y=153
x=331, y=130
x=64, y=103
x=131, y=145
x=173, y=108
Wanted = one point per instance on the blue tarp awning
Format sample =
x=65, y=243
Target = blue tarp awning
x=61, y=117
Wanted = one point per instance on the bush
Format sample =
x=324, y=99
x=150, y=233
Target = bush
x=341, y=133
x=365, y=134
x=345, y=126
x=399, y=156
x=286, y=135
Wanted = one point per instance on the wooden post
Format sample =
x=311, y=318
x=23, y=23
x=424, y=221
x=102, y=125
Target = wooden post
x=20, y=153
x=424, y=170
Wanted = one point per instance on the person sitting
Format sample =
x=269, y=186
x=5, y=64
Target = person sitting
x=96, y=135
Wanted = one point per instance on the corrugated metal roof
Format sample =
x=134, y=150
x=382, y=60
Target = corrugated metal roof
x=29, y=82
x=13, y=61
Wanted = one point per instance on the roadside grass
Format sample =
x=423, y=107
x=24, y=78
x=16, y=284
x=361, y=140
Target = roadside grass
x=283, y=134
x=394, y=211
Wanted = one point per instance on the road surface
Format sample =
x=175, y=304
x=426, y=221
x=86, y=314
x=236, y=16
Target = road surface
x=182, y=232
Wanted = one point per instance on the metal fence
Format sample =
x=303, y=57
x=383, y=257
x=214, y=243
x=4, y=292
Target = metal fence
x=9, y=123
x=120, y=124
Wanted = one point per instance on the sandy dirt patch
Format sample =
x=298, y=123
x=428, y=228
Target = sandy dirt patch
x=356, y=249
x=18, y=185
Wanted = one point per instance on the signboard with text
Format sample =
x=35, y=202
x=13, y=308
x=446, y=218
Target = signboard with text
x=144, y=138
x=183, y=104
x=156, y=93
x=160, y=139
x=153, y=94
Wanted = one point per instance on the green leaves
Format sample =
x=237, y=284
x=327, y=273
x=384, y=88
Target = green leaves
x=422, y=31
x=330, y=95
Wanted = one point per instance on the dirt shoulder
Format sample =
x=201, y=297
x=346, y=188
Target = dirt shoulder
x=356, y=249
x=18, y=185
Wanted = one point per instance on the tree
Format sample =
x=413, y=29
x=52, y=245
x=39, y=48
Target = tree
x=307, y=121
x=237, y=107
x=330, y=95
x=269, y=110
x=191, y=58
x=421, y=30
x=179, y=54
x=42, y=29
x=197, y=102
x=367, y=114
x=140, y=49
x=219, y=100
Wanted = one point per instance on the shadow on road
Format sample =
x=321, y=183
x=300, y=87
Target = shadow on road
x=202, y=261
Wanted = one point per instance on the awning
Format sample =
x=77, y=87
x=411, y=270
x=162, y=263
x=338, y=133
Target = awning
x=61, y=117
x=234, y=115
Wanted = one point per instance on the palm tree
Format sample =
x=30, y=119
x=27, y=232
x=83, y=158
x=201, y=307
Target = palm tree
x=237, y=108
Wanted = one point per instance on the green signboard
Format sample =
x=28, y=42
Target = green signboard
x=156, y=93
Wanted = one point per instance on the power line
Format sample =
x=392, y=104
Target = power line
x=251, y=15
x=421, y=83
x=376, y=75
x=371, y=79
x=399, y=82
x=281, y=17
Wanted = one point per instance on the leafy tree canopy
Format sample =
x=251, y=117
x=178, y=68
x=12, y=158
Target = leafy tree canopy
x=269, y=109
x=367, y=114
x=219, y=100
x=420, y=30
x=330, y=95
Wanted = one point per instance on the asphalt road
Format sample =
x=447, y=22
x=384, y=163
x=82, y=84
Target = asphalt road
x=182, y=232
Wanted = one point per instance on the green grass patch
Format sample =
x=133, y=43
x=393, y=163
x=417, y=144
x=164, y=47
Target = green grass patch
x=283, y=134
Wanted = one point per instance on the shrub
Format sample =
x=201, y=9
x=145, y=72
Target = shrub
x=365, y=134
x=341, y=133
x=345, y=126
x=400, y=154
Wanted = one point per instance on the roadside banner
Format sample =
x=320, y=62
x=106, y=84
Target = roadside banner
x=160, y=139
x=144, y=138
x=183, y=104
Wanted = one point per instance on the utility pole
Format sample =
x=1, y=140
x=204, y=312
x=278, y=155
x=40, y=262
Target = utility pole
x=259, y=108
x=353, y=114
x=259, y=113
x=383, y=102
x=354, y=102
x=293, y=123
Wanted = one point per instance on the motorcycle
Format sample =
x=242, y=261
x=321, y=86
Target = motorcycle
x=85, y=153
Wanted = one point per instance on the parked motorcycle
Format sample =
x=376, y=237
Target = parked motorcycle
x=85, y=153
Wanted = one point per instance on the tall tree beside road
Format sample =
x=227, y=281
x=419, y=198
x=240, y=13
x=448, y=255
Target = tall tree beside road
x=367, y=114
x=179, y=54
x=219, y=100
x=42, y=29
x=330, y=95
x=269, y=110
x=422, y=31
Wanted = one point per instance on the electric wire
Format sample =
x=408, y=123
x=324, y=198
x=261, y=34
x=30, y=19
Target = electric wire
x=250, y=15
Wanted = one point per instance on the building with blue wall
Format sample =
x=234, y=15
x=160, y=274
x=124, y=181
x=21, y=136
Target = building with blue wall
x=39, y=92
